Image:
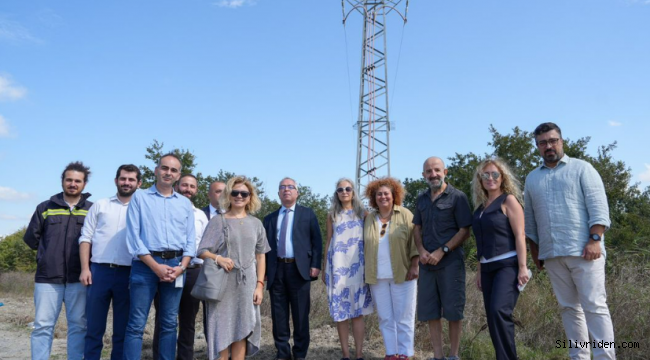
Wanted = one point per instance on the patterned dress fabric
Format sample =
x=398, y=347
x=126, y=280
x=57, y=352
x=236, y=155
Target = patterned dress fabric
x=348, y=294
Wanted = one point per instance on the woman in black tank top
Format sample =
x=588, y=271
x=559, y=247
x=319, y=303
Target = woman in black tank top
x=501, y=249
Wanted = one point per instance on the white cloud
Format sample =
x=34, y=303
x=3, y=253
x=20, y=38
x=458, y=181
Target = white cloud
x=9, y=194
x=615, y=123
x=4, y=128
x=13, y=31
x=234, y=4
x=10, y=91
x=645, y=176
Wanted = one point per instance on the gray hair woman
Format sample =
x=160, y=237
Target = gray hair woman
x=348, y=294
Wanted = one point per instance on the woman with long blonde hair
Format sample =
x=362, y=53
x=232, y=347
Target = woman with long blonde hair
x=501, y=243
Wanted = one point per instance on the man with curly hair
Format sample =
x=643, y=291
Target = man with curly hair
x=54, y=231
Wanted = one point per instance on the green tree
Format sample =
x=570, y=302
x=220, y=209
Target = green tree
x=320, y=205
x=188, y=163
x=15, y=255
x=413, y=188
x=629, y=206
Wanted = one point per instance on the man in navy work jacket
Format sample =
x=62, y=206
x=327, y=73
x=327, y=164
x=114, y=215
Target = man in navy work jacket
x=160, y=236
x=54, y=231
x=293, y=262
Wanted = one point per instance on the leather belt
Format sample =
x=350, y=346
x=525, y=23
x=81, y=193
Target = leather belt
x=194, y=266
x=113, y=265
x=286, y=260
x=169, y=254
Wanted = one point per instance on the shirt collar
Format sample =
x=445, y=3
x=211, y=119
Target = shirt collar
x=114, y=198
x=447, y=190
x=213, y=209
x=293, y=208
x=565, y=159
x=154, y=190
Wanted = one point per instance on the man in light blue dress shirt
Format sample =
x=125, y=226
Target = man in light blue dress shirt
x=161, y=238
x=567, y=215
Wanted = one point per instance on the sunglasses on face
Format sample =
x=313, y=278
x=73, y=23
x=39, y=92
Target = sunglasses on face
x=285, y=187
x=486, y=175
x=342, y=189
x=383, y=229
x=544, y=143
x=243, y=194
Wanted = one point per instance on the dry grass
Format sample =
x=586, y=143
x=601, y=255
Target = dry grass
x=537, y=313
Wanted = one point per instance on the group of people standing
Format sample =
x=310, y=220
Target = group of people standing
x=564, y=220
x=146, y=246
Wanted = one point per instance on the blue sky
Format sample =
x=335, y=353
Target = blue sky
x=268, y=88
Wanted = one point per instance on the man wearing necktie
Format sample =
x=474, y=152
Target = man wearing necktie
x=214, y=193
x=293, y=262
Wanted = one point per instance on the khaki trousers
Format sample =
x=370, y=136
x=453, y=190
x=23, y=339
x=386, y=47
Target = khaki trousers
x=579, y=287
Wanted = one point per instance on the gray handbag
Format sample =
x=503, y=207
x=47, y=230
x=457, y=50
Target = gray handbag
x=212, y=279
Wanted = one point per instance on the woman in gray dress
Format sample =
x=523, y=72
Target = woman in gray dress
x=236, y=241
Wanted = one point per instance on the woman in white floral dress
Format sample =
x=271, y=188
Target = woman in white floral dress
x=348, y=294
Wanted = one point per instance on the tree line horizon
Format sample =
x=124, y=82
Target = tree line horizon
x=629, y=204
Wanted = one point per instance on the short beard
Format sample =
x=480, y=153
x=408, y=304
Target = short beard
x=67, y=193
x=125, y=193
x=436, y=187
x=552, y=158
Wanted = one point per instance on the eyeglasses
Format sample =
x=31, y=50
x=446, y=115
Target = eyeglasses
x=285, y=187
x=486, y=175
x=342, y=189
x=383, y=229
x=544, y=143
x=243, y=194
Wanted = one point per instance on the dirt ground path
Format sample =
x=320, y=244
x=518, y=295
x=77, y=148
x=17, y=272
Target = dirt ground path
x=15, y=318
x=18, y=312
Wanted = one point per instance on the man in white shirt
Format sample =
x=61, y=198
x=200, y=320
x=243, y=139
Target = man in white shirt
x=106, y=273
x=187, y=186
x=214, y=193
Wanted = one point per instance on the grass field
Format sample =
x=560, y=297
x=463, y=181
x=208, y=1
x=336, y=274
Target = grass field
x=539, y=324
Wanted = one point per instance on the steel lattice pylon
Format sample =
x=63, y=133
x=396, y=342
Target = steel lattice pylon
x=373, y=124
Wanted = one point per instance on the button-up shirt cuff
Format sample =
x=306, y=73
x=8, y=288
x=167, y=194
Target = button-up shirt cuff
x=603, y=222
x=141, y=252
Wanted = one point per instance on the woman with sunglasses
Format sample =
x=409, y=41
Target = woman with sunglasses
x=391, y=265
x=500, y=240
x=347, y=291
x=234, y=323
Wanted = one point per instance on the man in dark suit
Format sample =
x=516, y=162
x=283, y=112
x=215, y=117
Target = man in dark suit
x=216, y=188
x=293, y=262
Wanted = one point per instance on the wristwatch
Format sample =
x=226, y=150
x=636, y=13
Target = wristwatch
x=595, y=237
x=445, y=249
x=183, y=268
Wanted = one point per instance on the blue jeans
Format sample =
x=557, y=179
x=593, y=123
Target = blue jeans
x=48, y=299
x=108, y=283
x=144, y=284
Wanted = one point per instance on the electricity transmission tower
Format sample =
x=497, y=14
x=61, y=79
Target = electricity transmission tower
x=373, y=124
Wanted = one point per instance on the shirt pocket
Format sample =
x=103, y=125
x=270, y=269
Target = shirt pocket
x=444, y=216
